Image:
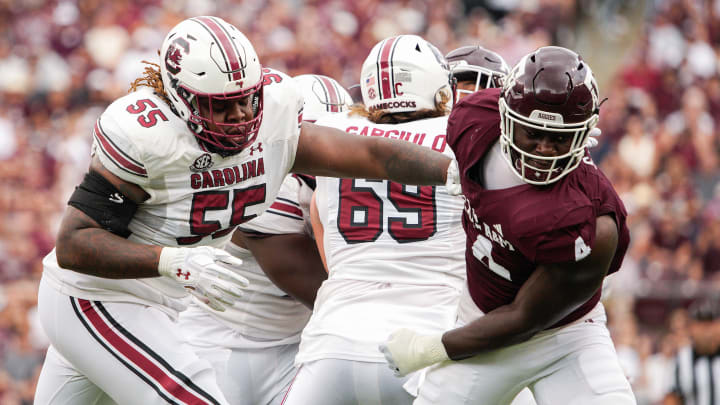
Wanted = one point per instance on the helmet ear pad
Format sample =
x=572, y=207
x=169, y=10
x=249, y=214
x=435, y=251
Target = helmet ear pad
x=444, y=95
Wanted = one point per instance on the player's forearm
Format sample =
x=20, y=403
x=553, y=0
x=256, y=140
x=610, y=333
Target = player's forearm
x=297, y=270
x=501, y=327
x=97, y=252
x=408, y=163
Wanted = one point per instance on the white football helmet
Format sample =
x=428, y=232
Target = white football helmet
x=405, y=73
x=322, y=95
x=205, y=58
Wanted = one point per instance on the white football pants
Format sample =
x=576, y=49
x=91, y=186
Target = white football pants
x=346, y=382
x=248, y=372
x=117, y=352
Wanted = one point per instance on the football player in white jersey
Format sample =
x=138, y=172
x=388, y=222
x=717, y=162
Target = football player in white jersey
x=200, y=146
x=394, y=251
x=252, y=345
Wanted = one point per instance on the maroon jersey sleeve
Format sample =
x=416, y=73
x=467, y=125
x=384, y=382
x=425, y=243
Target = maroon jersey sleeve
x=609, y=203
x=568, y=239
x=473, y=126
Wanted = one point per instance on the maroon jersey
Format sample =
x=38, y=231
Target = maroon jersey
x=511, y=231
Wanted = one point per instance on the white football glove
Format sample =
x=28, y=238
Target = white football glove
x=407, y=351
x=206, y=272
x=452, y=182
x=592, y=140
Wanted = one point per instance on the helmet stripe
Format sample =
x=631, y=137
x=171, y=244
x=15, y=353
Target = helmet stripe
x=227, y=47
x=239, y=51
x=384, y=68
x=332, y=94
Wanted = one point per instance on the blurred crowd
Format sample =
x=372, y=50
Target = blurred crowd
x=63, y=61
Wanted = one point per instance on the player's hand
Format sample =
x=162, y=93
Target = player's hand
x=206, y=272
x=407, y=351
x=452, y=182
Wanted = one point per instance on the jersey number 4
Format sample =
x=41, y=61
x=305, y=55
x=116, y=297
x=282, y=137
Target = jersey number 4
x=360, y=211
x=219, y=200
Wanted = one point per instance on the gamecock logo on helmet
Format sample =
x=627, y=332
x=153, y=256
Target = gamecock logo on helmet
x=174, y=55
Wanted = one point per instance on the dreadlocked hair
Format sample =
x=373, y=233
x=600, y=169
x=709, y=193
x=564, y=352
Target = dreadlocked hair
x=151, y=78
x=385, y=117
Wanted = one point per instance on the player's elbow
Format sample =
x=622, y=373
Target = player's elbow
x=67, y=247
x=64, y=249
x=63, y=258
x=529, y=327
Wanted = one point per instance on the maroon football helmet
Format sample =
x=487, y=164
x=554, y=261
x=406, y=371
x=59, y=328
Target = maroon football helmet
x=356, y=93
x=551, y=89
x=475, y=63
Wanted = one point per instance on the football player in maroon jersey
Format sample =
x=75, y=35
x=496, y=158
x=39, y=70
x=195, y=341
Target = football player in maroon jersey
x=544, y=227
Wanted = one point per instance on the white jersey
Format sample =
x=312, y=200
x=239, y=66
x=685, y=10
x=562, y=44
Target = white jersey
x=395, y=253
x=265, y=312
x=197, y=197
x=414, y=230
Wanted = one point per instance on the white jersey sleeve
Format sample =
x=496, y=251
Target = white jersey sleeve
x=119, y=153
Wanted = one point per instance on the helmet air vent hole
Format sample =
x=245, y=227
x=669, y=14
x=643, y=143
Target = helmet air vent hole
x=417, y=47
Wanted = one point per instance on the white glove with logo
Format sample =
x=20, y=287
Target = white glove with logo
x=206, y=272
x=406, y=351
x=452, y=182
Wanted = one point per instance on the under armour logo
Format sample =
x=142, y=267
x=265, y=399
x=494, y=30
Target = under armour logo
x=256, y=148
x=116, y=198
x=180, y=274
